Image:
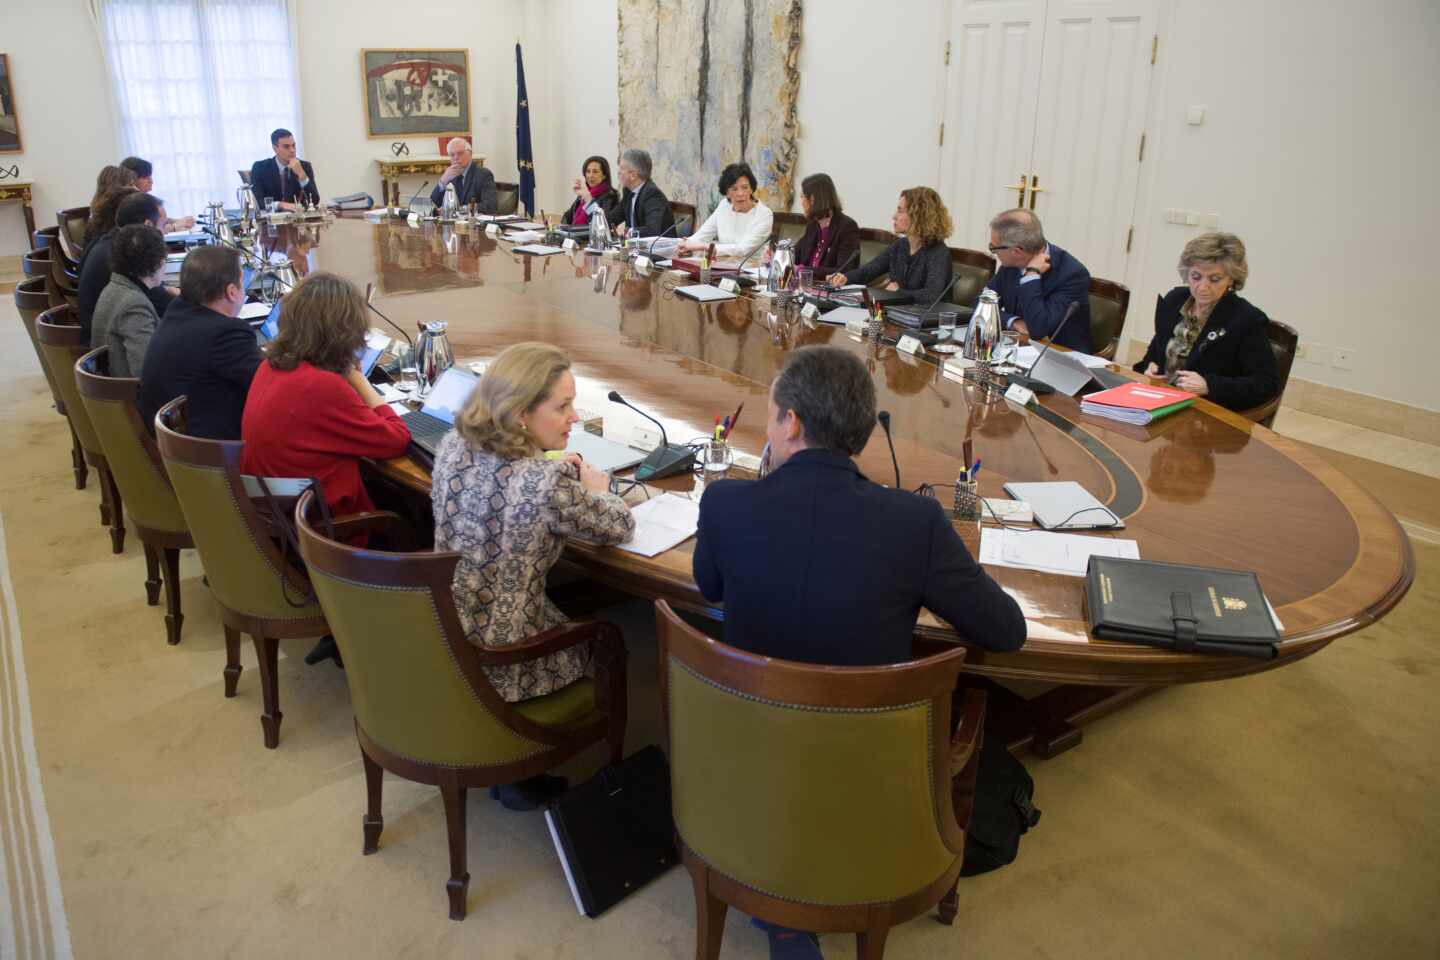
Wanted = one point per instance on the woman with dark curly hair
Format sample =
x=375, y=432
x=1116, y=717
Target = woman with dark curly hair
x=740, y=224
x=125, y=315
x=592, y=186
x=919, y=262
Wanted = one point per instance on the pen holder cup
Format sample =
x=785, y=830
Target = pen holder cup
x=717, y=458
x=967, y=500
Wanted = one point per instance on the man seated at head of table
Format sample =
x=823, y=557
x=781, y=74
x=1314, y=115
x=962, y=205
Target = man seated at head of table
x=918, y=262
x=202, y=349
x=284, y=178
x=1037, y=281
x=144, y=172
x=130, y=207
x=642, y=204
x=473, y=182
x=740, y=224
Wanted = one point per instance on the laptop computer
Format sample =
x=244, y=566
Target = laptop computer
x=366, y=357
x=431, y=422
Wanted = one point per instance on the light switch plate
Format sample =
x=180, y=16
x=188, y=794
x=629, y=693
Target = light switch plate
x=1195, y=116
x=1344, y=358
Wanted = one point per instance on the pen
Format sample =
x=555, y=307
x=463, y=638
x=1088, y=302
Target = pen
x=975, y=469
x=734, y=419
x=726, y=432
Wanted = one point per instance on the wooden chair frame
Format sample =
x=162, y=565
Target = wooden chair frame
x=806, y=685
x=1285, y=342
x=46, y=237
x=71, y=244
x=32, y=298
x=788, y=219
x=265, y=633
x=682, y=212
x=501, y=188
x=160, y=545
x=435, y=571
x=1118, y=293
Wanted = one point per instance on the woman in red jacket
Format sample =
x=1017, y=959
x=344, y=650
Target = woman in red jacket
x=310, y=412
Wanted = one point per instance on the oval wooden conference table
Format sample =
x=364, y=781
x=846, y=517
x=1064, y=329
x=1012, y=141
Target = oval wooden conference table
x=1203, y=486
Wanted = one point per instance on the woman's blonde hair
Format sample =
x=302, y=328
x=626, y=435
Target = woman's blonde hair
x=514, y=383
x=1223, y=249
x=929, y=220
x=323, y=322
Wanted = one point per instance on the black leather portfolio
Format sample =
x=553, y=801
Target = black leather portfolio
x=614, y=832
x=1179, y=607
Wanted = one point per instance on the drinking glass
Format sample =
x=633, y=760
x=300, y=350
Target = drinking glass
x=717, y=458
x=632, y=241
x=272, y=206
x=804, y=279
x=945, y=332
x=1007, y=348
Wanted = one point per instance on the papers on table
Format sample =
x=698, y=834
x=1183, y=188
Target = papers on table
x=704, y=292
x=254, y=311
x=661, y=523
x=1028, y=354
x=538, y=249
x=665, y=247
x=525, y=236
x=843, y=315
x=1063, y=553
x=185, y=236
x=1006, y=511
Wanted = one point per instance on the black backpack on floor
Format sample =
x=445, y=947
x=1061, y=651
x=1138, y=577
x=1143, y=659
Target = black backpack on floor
x=1003, y=810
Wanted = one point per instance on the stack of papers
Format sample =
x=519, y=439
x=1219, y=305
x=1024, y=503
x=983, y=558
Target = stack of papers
x=843, y=315
x=1136, y=403
x=537, y=249
x=661, y=523
x=1028, y=354
x=1067, y=554
x=525, y=236
x=704, y=292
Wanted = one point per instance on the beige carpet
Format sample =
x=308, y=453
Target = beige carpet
x=1291, y=814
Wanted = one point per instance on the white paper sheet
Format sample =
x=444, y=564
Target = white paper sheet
x=704, y=292
x=1063, y=553
x=661, y=523
x=538, y=249
x=842, y=315
x=254, y=311
x=1027, y=355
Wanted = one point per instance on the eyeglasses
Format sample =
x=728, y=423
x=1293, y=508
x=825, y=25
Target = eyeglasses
x=1003, y=247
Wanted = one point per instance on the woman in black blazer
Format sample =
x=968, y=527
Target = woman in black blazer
x=592, y=184
x=831, y=242
x=1207, y=339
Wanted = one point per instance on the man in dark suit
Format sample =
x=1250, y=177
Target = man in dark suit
x=202, y=349
x=283, y=177
x=1037, y=281
x=816, y=563
x=472, y=181
x=643, y=205
x=95, y=261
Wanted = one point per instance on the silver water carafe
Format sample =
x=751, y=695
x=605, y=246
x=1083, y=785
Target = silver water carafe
x=432, y=354
x=599, y=229
x=450, y=206
x=249, y=209
x=984, y=328
x=220, y=224
x=781, y=265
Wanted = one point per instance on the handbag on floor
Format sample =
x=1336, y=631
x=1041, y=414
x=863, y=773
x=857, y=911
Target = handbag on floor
x=1004, y=810
x=614, y=832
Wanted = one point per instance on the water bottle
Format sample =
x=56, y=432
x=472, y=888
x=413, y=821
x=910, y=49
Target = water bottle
x=632, y=242
x=762, y=275
x=451, y=204
x=984, y=328
x=432, y=354
x=599, y=230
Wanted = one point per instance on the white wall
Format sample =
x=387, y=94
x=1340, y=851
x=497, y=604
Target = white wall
x=67, y=137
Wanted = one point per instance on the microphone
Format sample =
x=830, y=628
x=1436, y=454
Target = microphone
x=370, y=292
x=1027, y=379
x=417, y=193
x=665, y=460
x=655, y=240
x=884, y=417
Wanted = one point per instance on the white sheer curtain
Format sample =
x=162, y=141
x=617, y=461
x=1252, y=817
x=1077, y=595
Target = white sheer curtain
x=199, y=85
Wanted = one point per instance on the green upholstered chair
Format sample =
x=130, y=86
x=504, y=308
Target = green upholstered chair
x=818, y=798
x=686, y=221
x=1109, y=303
x=58, y=332
x=46, y=236
x=135, y=464
x=244, y=566
x=71, y=222
x=507, y=198
x=788, y=226
x=873, y=243
x=36, y=263
x=424, y=708
x=31, y=300
x=975, y=269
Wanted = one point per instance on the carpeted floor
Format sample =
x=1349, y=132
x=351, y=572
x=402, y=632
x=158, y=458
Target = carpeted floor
x=1290, y=814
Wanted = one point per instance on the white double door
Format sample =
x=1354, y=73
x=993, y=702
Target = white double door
x=1054, y=91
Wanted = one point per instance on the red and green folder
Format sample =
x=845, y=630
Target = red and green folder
x=1140, y=403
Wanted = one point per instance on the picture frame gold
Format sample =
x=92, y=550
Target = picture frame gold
x=10, y=140
x=415, y=93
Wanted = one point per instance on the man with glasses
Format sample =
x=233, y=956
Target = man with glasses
x=1037, y=282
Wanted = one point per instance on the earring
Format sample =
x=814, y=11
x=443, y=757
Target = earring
x=524, y=427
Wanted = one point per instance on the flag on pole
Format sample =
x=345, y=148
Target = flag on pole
x=523, y=152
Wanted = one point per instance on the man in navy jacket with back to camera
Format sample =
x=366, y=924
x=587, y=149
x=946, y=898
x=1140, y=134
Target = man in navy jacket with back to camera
x=1037, y=282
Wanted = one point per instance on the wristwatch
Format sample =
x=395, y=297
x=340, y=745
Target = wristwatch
x=1030, y=270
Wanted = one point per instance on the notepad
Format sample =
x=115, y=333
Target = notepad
x=1067, y=554
x=538, y=249
x=704, y=292
x=661, y=523
x=843, y=315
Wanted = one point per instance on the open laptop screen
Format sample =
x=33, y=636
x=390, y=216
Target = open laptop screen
x=449, y=394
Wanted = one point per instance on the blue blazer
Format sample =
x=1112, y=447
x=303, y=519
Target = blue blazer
x=266, y=181
x=817, y=564
x=1041, y=303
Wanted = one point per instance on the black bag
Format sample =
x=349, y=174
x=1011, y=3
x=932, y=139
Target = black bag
x=614, y=832
x=1003, y=810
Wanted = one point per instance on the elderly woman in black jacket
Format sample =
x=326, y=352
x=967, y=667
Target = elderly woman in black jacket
x=1207, y=339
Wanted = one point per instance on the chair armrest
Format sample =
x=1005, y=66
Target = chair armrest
x=606, y=635
x=969, y=733
x=401, y=534
x=1261, y=413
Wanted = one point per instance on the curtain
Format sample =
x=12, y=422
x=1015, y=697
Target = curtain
x=198, y=87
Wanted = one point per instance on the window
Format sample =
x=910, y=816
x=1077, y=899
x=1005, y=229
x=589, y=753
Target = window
x=199, y=85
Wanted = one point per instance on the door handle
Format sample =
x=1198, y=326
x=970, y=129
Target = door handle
x=1020, y=187
x=1034, y=179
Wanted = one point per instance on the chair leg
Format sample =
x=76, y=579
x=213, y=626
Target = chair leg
x=267, y=649
x=373, y=822
x=105, y=506
x=949, y=904
x=459, y=883
x=77, y=461
x=152, y=575
x=710, y=913
x=117, y=515
x=870, y=945
x=232, y=660
x=173, y=617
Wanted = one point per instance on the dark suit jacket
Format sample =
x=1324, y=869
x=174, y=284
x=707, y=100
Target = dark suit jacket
x=652, y=211
x=1041, y=303
x=265, y=182
x=1233, y=352
x=478, y=184
x=94, y=278
x=844, y=245
x=208, y=357
x=817, y=564
x=607, y=201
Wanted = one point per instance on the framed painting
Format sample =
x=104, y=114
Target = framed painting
x=9, y=116
x=415, y=93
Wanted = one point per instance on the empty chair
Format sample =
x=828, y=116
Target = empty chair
x=685, y=221
x=259, y=591
x=244, y=176
x=788, y=226
x=1109, y=303
x=973, y=270
x=135, y=464
x=814, y=797
x=507, y=198
x=31, y=300
x=1284, y=343
x=64, y=277
x=394, y=618
x=72, y=221
x=58, y=332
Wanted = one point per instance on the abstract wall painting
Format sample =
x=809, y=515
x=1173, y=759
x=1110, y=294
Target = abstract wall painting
x=9, y=116
x=412, y=93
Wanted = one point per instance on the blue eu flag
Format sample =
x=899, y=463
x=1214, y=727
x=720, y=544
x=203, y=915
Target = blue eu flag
x=523, y=150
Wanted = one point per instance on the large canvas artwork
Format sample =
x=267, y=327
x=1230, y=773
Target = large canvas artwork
x=411, y=93
x=9, y=117
x=704, y=83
